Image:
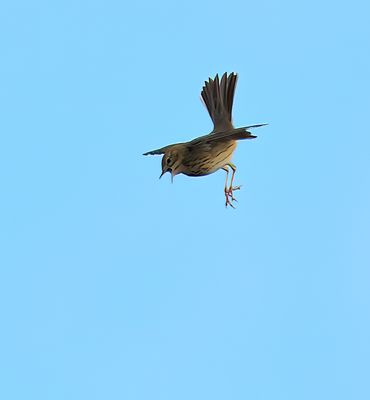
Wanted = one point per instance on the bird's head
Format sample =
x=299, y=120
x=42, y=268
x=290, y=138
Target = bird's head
x=172, y=157
x=169, y=162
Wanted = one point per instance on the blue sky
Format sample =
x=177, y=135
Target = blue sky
x=117, y=285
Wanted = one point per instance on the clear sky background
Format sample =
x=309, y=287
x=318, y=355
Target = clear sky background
x=117, y=285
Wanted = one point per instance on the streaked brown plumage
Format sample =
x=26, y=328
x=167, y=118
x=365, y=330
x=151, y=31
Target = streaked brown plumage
x=207, y=154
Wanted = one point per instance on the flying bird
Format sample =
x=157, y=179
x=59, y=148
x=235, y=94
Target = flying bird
x=209, y=153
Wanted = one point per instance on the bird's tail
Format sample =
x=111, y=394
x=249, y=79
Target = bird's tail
x=218, y=97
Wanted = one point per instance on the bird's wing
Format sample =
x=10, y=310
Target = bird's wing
x=234, y=134
x=218, y=98
x=162, y=150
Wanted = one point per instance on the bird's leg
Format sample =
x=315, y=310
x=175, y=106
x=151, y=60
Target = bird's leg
x=231, y=187
x=226, y=190
x=227, y=176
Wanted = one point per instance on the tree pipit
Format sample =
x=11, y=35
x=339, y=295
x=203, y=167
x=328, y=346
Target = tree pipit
x=209, y=153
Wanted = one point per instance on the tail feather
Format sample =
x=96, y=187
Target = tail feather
x=218, y=97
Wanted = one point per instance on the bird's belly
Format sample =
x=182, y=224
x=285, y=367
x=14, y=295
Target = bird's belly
x=207, y=162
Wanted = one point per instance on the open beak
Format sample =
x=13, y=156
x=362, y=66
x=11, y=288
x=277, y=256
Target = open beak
x=164, y=171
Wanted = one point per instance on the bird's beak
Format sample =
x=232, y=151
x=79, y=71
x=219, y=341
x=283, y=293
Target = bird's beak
x=164, y=171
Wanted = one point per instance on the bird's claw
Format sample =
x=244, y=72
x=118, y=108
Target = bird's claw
x=230, y=191
x=230, y=196
x=228, y=203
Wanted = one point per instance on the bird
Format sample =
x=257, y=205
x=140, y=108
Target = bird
x=209, y=153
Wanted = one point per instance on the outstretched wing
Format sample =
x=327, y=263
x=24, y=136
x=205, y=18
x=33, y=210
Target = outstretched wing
x=218, y=98
x=156, y=152
x=162, y=150
x=233, y=134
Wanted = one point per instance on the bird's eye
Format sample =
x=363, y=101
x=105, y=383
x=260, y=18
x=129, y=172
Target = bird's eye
x=168, y=160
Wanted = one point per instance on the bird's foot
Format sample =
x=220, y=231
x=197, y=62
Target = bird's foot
x=228, y=202
x=231, y=190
